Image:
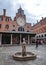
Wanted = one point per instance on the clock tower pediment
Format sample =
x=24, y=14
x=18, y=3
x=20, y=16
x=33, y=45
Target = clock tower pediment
x=20, y=17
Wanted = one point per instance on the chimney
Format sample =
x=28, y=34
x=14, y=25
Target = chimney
x=4, y=12
x=37, y=21
x=42, y=18
x=33, y=23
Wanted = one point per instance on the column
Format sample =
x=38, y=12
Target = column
x=35, y=39
x=28, y=40
x=11, y=39
x=31, y=39
x=0, y=39
x=20, y=38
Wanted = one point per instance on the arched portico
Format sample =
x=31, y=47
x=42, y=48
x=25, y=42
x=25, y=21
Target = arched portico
x=15, y=37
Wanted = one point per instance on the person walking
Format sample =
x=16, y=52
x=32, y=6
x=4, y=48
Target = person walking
x=37, y=44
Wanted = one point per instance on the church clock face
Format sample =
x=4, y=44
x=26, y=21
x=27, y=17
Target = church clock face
x=20, y=21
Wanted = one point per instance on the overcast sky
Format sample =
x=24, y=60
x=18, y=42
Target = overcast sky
x=33, y=9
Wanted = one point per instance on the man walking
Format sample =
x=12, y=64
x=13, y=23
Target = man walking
x=37, y=42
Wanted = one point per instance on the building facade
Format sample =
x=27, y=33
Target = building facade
x=40, y=29
x=13, y=31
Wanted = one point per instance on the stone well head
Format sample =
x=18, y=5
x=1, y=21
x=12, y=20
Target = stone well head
x=23, y=55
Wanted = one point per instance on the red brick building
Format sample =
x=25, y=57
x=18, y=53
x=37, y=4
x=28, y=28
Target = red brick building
x=13, y=31
x=40, y=29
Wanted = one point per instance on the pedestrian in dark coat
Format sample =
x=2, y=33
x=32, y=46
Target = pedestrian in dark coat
x=37, y=44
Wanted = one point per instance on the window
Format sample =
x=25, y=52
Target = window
x=7, y=19
x=39, y=35
x=0, y=25
x=1, y=18
x=42, y=35
x=7, y=27
x=13, y=30
x=13, y=25
x=45, y=35
x=20, y=29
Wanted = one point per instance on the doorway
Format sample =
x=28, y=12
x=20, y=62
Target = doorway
x=6, y=38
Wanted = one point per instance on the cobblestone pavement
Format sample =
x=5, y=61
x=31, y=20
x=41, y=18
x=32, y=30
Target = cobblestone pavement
x=7, y=52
